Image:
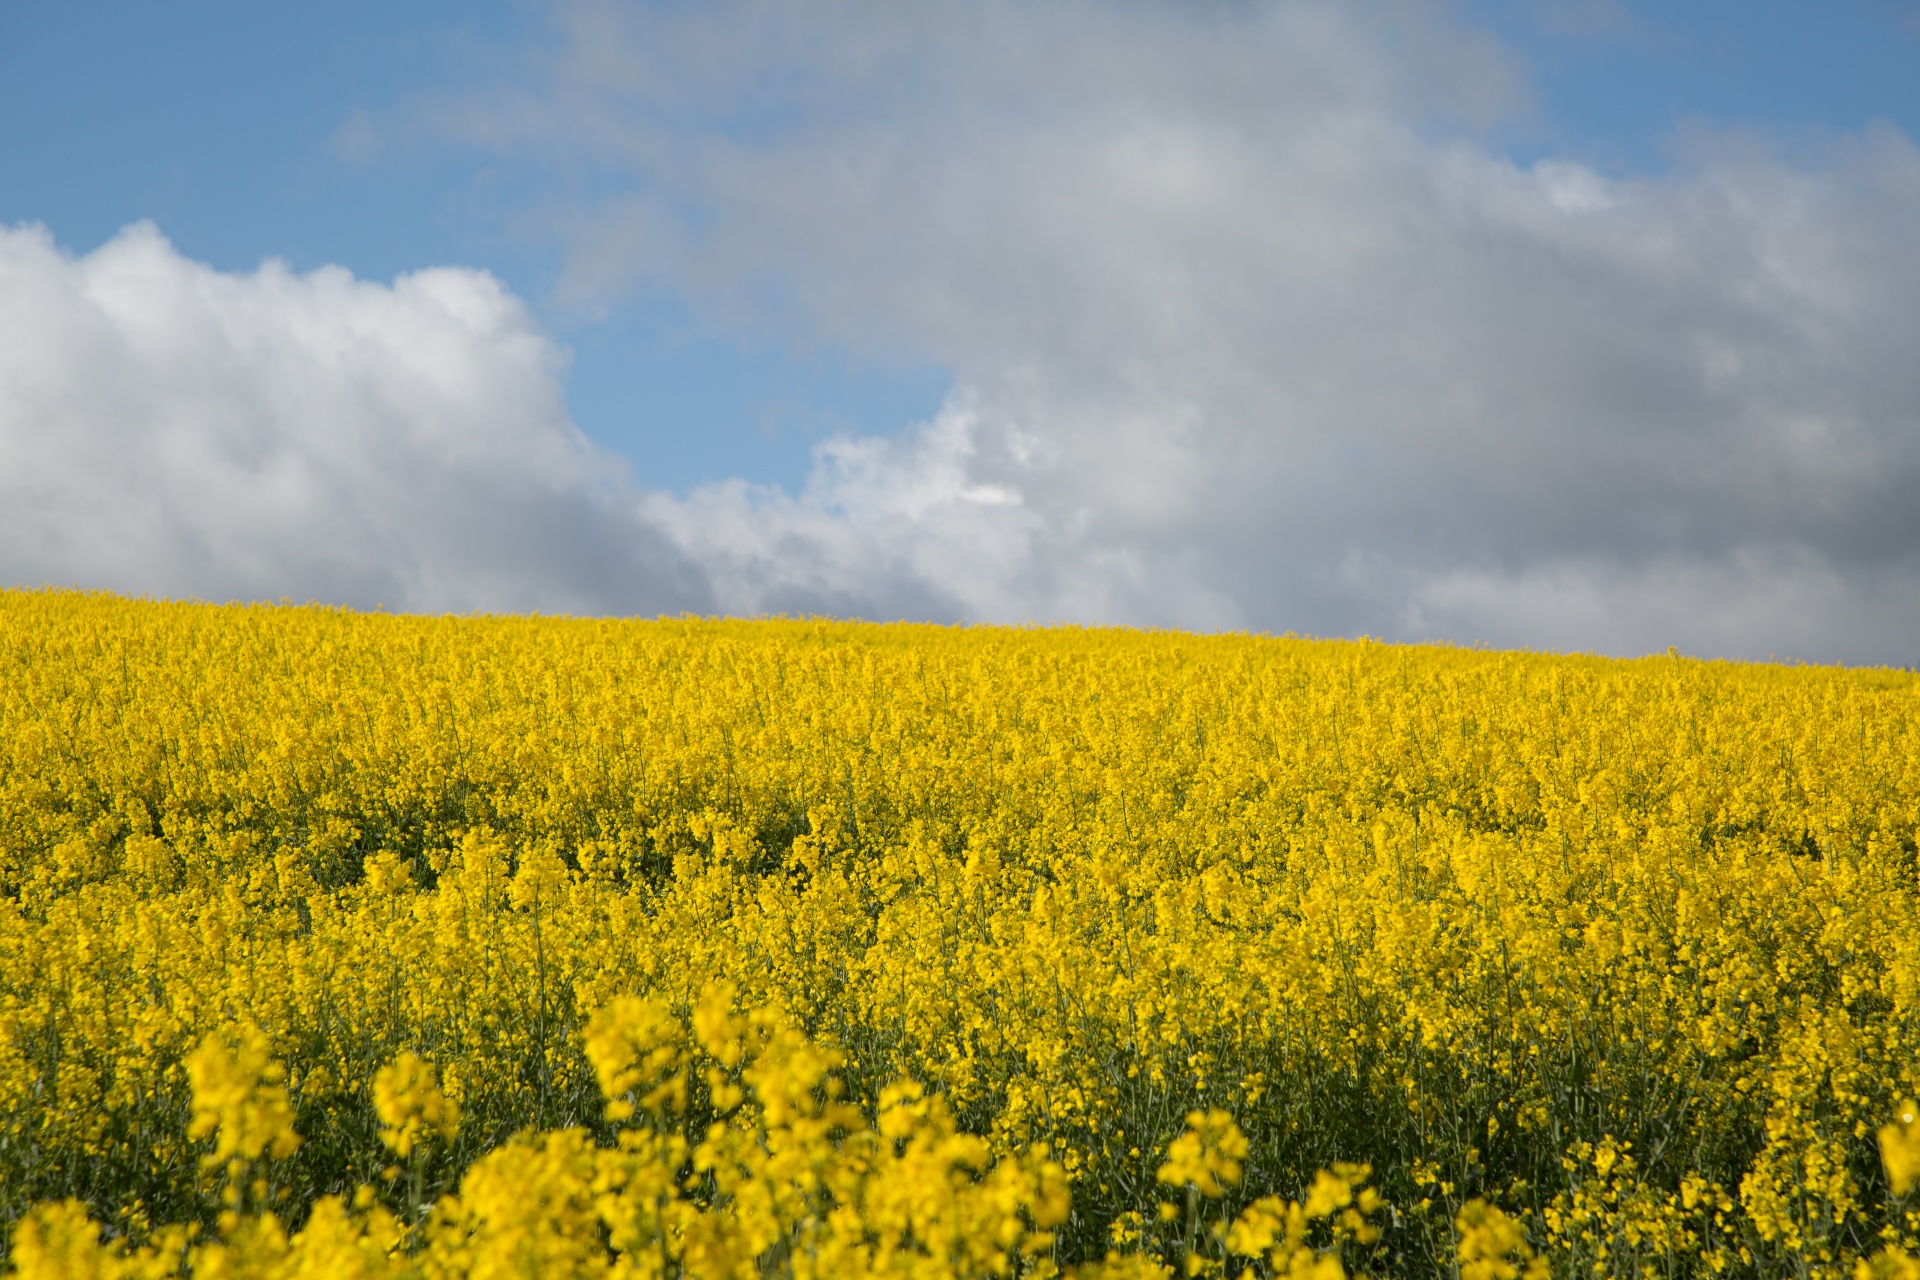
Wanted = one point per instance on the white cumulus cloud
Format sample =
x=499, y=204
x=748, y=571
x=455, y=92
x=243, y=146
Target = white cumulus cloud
x=170, y=429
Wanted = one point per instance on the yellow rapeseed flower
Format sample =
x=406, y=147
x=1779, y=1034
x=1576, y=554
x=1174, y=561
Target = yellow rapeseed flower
x=1900, y=1147
x=239, y=1099
x=1207, y=1156
x=408, y=1100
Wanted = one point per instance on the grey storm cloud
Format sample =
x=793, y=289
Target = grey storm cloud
x=1249, y=326
x=1247, y=329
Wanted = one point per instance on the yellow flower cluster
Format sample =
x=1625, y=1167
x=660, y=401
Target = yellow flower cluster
x=515, y=946
x=1207, y=1155
x=410, y=1104
x=237, y=1095
x=1900, y=1148
x=1279, y=1231
x=1493, y=1246
x=788, y=1177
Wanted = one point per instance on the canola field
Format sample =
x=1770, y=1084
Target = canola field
x=354, y=945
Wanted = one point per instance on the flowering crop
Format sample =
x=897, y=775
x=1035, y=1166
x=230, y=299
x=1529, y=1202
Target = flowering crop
x=338, y=944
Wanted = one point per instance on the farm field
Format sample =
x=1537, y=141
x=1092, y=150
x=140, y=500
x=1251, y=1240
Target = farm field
x=340, y=944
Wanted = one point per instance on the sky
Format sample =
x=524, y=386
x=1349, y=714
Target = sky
x=1563, y=324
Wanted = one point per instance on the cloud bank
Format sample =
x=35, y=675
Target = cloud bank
x=1249, y=326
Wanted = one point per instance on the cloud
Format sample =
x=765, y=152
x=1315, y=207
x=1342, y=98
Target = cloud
x=166, y=428
x=1248, y=324
x=908, y=528
x=1248, y=328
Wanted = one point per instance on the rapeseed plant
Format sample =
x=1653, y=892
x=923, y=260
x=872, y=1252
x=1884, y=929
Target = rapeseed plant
x=343, y=944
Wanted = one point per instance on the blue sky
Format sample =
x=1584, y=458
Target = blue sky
x=1618, y=90
x=219, y=121
x=1565, y=323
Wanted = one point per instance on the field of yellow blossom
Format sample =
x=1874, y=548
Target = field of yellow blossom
x=352, y=945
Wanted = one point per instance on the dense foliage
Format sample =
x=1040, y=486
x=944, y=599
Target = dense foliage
x=340, y=944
